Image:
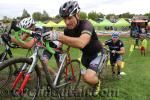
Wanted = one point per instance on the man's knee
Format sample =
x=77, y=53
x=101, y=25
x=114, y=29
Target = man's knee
x=90, y=76
x=119, y=63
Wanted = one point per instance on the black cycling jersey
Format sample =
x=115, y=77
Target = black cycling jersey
x=114, y=46
x=84, y=26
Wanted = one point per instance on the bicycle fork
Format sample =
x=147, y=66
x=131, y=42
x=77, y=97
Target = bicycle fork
x=20, y=75
x=27, y=76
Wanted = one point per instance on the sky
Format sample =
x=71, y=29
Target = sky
x=14, y=8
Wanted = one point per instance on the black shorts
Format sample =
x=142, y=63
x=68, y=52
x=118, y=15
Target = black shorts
x=114, y=59
x=91, y=62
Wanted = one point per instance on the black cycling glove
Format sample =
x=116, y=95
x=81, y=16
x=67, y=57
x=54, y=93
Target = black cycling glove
x=14, y=26
x=6, y=37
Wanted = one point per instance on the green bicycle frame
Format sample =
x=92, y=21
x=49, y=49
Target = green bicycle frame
x=29, y=31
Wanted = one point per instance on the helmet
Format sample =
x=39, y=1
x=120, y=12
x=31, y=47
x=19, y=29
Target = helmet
x=115, y=35
x=26, y=22
x=69, y=8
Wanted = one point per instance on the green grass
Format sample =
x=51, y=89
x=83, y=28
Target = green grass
x=133, y=86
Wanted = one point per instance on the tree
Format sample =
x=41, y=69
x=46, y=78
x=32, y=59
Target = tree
x=110, y=16
x=37, y=16
x=6, y=19
x=101, y=15
x=83, y=15
x=57, y=16
x=147, y=14
x=19, y=18
x=126, y=15
x=25, y=14
x=45, y=16
x=93, y=15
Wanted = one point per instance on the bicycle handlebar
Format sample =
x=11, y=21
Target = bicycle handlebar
x=107, y=50
x=8, y=31
x=30, y=32
x=11, y=45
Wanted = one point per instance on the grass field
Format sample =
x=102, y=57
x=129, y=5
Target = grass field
x=133, y=86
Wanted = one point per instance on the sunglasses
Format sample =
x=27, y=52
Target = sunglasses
x=115, y=37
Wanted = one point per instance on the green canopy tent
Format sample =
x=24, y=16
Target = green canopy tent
x=95, y=24
x=105, y=25
x=105, y=22
x=51, y=24
x=121, y=23
x=39, y=23
x=61, y=24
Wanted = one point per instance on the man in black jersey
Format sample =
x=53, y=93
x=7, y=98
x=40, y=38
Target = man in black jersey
x=79, y=34
x=116, y=47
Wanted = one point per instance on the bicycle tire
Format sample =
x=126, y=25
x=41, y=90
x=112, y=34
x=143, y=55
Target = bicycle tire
x=103, y=70
x=11, y=62
x=1, y=55
x=4, y=82
x=72, y=82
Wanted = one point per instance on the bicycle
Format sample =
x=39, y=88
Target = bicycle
x=5, y=78
x=102, y=71
x=5, y=75
x=62, y=78
x=103, y=65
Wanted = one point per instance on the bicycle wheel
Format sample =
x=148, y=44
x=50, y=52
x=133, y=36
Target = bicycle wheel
x=103, y=68
x=5, y=74
x=69, y=77
x=2, y=57
x=33, y=85
x=51, y=93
